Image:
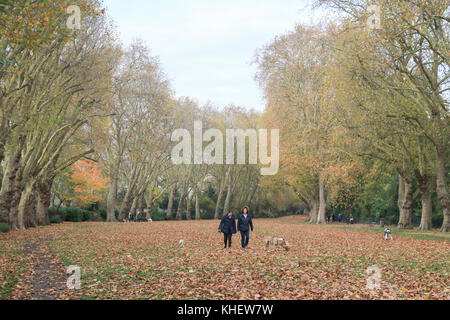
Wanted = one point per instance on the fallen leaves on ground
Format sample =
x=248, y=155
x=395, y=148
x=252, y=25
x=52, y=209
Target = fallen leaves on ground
x=144, y=261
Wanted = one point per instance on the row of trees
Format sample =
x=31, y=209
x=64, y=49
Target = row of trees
x=84, y=120
x=137, y=155
x=54, y=88
x=353, y=99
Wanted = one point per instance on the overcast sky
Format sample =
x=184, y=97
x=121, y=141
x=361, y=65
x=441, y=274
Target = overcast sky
x=206, y=46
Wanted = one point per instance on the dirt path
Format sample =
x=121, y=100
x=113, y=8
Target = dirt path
x=47, y=280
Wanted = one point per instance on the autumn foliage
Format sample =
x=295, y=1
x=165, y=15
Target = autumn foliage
x=144, y=261
x=89, y=183
x=83, y=183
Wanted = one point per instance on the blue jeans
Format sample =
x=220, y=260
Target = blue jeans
x=245, y=237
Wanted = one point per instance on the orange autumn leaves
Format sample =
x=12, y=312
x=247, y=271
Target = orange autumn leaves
x=32, y=24
x=87, y=183
x=144, y=261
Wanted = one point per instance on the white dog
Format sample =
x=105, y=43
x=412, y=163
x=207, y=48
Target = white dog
x=387, y=234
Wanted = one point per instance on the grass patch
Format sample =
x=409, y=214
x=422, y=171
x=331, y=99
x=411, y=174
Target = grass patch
x=409, y=233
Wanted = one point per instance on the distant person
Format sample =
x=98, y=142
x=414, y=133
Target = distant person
x=339, y=217
x=228, y=227
x=245, y=223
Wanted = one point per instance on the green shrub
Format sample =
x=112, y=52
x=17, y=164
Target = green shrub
x=208, y=206
x=102, y=213
x=51, y=212
x=55, y=216
x=390, y=221
x=436, y=220
x=96, y=216
x=55, y=219
x=206, y=215
x=86, y=215
x=157, y=215
x=4, y=227
x=73, y=214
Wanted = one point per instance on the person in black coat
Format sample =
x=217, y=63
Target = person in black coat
x=228, y=227
x=245, y=223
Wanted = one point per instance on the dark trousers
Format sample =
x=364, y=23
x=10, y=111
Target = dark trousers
x=227, y=239
x=245, y=237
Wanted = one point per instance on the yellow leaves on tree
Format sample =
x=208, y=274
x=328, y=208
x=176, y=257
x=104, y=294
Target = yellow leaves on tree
x=88, y=181
x=32, y=24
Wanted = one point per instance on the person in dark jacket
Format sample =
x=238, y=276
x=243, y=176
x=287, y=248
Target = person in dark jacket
x=245, y=223
x=228, y=227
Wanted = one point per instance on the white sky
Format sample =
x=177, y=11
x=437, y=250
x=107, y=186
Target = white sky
x=206, y=46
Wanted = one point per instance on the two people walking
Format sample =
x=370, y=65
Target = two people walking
x=244, y=224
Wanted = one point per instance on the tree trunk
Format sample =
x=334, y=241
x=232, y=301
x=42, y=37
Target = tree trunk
x=321, y=217
x=251, y=196
x=2, y=145
x=313, y=210
x=219, y=199
x=30, y=211
x=124, y=208
x=426, y=193
x=442, y=189
x=181, y=204
x=188, y=208
x=25, y=218
x=14, y=205
x=43, y=203
x=197, y=207
x=170, y=204
x=8, y=183
x=427, y=210
x=405, y=220
x=149, y=200
x=111, y=202
x=226, y=205
x=134, y=206
x=401, y=192
x=140, y=206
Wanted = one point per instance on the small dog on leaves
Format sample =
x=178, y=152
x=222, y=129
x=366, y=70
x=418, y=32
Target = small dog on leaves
x=276, y=242
x=387, y=234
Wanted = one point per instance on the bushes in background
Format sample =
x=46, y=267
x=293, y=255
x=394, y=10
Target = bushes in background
x=74, y=214
x=4, y=227
x=102, y=213
x=158, y=215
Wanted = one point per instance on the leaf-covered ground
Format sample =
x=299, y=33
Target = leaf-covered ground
x=144, y=261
